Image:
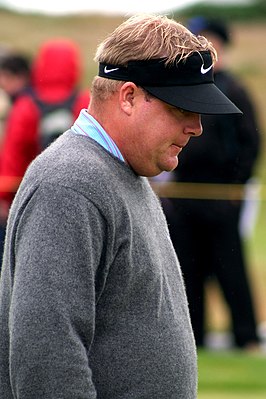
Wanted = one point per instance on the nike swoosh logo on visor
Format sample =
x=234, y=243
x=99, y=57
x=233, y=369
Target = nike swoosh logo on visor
x=106, y=70
x=203, y=70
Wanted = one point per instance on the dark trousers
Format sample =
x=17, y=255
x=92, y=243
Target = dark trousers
x=206, y=238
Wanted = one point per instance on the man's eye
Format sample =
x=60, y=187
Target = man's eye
x=176, y=109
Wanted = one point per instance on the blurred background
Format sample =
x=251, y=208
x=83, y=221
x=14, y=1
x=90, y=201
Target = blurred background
x=25, y=25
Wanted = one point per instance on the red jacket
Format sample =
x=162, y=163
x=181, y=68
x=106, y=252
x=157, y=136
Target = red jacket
x=56, y=72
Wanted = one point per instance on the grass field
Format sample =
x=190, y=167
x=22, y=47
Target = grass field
x=221, y=375
x=231, y=375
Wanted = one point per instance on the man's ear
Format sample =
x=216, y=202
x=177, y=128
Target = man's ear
x=127, y=95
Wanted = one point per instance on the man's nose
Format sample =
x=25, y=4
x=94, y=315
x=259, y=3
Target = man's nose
x=194, y=126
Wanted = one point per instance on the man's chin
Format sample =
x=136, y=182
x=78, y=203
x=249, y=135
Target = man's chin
x=171, y=166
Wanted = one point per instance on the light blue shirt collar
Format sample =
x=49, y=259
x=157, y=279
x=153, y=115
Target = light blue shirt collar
x=86, y=125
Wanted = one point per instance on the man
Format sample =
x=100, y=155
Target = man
x=45, y=88
x=225, y=155
x=14, y=81
x=54, y=82
x=92, y=299
x=15, y=75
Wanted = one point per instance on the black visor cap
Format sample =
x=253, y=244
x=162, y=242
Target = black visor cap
x=186, y=84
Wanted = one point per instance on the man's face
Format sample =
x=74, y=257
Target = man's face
x=11, y=83
x=158, y=132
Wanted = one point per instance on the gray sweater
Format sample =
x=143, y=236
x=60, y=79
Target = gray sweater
x=92, y=301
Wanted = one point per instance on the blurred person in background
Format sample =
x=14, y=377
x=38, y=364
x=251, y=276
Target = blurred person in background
x=55, y=78
x=15, y=83
x=14, y=80
x=205, y=232
x=15, y=75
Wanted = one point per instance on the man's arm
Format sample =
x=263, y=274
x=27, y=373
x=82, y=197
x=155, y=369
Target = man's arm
x=58, y=247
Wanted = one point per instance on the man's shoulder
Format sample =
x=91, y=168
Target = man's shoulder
x=77, y=162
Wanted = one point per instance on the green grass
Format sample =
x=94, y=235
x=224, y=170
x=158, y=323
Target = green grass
x=231, y=375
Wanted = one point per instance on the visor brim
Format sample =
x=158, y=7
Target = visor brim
x=202, y=99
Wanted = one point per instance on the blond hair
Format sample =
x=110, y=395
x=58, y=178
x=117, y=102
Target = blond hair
x=144, y=37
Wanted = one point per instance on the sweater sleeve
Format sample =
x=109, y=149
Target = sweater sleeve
x=58, y=247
